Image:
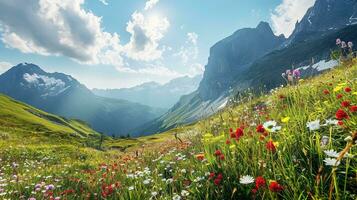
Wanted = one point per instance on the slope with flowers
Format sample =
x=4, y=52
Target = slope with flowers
x=299, y=142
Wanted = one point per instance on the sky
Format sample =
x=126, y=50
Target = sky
x=123, y=43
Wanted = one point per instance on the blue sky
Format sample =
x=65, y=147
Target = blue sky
x=122, y=43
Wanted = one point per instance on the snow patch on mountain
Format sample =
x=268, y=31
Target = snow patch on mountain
x=45, y=81
x=322, y=65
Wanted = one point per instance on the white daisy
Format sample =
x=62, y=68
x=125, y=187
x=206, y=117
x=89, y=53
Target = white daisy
x=276, y=128
x=184, y=193
x=331, y=122
x=331, y=162
x=131, y=188
x=176, y=197
x=269, y=124
x=313, y=125
x=332, y=153
x=246, y=179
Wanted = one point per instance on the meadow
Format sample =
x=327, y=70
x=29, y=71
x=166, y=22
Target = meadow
x=296, y=142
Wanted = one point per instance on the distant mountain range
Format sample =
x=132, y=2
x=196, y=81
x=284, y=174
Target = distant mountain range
x=154, y=94
x=255, y=58
x=63, y=95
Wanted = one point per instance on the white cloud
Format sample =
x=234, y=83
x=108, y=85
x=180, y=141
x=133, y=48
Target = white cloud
x=287, y=14
x=146, y=32
x=195, y=69
x=189, y=51
x=104, y=2
x=150, y=4
x=152, y=71
x=4, y=66
x=58, y=27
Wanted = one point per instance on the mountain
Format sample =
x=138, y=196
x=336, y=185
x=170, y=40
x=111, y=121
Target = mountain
x=232, y=55
x=154, y=94
x=323, y=18
x=255, y=58
x=19, y=121
x=228, y=58
x=63, y=95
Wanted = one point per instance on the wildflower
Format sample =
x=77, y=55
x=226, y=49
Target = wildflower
x=338, y=41
x=275, y=187
x=239, y=133
x=176, y=197
x=275, y=129
x=228, y=141
x=259, y=182
x=331, y=122
x=147, y=181
x=285, y=119
x=131, y=188
x=217, y=181
x=200, y=156
x=184, y=193
x=350, y=44
x=341, y=114
x=340, y=123
x=343, y=44
x=353, y=109
x=331, y=162
x=218, y=152
x=270, y=146
x=221, y=157
x=153, y=194
x=211, y=175
x=326, y=92
x=246, y=180
x=260, y=128
x=313, y=125
x=324, y=140
x=339, y=96
x=297, y=73
x=331, y=153
x=348, y=89
x=50, y=187
x=269, y=124
x=345, y=104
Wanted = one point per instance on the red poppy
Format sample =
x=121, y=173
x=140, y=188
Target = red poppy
x=220, y=176
x=211, y=175
x=345, y=104
x=239, y=133
x=270, y=146
x=275, y=187
x=326, y=92
x=221, y=157
x=217, y=181
x=228, y=141
x=231, y=130
x=259, y=182
x=353, y=108
x=218, y=152
x=233, y=135
x=348, y=89
x=200, y=157
x=254, y=190
x=341, y=114
x=260, y=128
x=340, y=123
x=339, y=96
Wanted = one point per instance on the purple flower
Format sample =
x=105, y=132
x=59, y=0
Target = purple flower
x=296, y=73
x=38, y=185
x=338, y=41
x=50, y=187
x=350, y=44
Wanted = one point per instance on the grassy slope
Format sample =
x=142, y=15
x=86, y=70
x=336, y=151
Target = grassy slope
x=295, y=165
x=25, y=124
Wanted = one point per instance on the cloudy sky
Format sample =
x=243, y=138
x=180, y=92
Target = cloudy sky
x=122, y=43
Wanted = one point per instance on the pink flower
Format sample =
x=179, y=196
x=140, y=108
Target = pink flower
x=350, y=44
x=296, y=73
x=338, y=41
x=343, y=44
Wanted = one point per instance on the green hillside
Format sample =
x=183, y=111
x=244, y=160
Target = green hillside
x=298, y=142
x=27, y=125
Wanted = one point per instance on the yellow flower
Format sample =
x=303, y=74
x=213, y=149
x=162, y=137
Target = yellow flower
x=337, y=88
x=232, y=146
x=276, y=144
x=285, y=119
x=354, y=93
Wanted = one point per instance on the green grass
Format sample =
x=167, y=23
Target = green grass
x=162, y=167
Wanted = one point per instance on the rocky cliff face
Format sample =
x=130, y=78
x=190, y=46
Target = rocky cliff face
x=232, y=55
x=323, y=18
